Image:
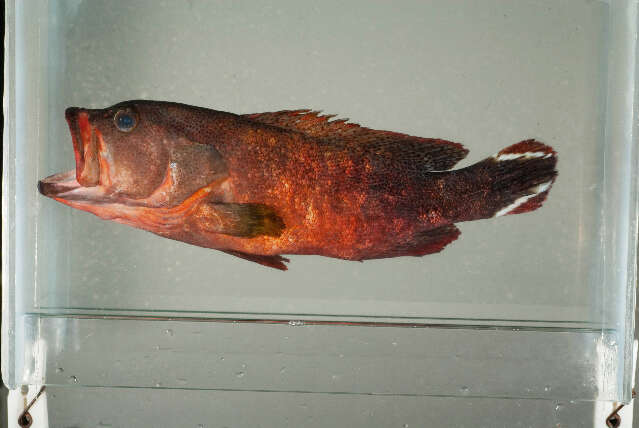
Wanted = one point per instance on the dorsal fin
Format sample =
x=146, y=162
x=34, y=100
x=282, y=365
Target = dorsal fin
x=432, y=153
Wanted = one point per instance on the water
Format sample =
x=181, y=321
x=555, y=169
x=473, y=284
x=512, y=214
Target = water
x=486, y=85
x=485, y=74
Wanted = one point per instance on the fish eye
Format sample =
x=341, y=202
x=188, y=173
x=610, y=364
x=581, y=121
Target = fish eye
x=125, y=120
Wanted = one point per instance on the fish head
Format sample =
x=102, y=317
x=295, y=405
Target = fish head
x=133, y=153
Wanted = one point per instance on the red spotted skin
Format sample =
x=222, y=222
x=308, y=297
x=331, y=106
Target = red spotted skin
x=332, y=202
x=342, y=191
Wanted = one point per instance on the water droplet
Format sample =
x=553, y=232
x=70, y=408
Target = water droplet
x=221, y=358
x=168, y=332
x=243, y=366
x=341, y=355
x=200, y=425
x=405, y=425
x=558, y=407
x=156, y=347
x=547, y=388
x=296, y=322
x=464, y=389
x=59, y=370
x=394, y=343
x=158, y=384
x=240, y=374
x=73, y=379
x=282, y=370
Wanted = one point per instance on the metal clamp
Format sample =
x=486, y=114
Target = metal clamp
x=25, y=420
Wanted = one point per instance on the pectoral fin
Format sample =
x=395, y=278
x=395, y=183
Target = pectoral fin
x=276, y=262
x=241, y=220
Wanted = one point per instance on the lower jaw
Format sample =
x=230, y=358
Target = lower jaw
x=57, y=184
x=65, y=187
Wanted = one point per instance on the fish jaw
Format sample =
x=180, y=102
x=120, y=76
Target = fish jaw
x=90, y=181
x=65, y=187
x=97, y=200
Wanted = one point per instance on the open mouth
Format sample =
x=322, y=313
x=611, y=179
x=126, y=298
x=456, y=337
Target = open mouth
x=85, y=181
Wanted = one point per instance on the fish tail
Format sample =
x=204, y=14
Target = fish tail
x=514, y=181
x=521, y=176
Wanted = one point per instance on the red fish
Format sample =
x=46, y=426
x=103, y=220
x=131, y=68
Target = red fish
x=291, y=182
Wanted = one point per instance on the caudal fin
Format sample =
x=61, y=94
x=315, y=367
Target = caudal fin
x=522, y=175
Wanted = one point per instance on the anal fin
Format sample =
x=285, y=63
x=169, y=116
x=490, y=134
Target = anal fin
x=275, y=261
x=423, y=243
x=433, y=241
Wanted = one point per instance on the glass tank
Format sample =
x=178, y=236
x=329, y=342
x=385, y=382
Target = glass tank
x=534, y=305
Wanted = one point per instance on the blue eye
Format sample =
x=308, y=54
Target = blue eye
x=125, y=120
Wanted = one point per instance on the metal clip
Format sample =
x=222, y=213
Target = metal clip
x=614, y=419
x=25, y=420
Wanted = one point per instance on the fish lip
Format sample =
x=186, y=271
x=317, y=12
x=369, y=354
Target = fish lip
x=83, y=137
x=58, y=184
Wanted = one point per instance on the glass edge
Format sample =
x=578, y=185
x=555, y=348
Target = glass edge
x=8, y=207
x=631, y=285
x=619, y=234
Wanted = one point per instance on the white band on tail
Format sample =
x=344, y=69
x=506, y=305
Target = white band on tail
x=527, y=155
x=541, y=188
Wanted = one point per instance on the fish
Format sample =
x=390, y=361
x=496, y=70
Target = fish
x=292, y=182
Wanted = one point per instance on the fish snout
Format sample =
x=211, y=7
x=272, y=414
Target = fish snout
x=71, y=113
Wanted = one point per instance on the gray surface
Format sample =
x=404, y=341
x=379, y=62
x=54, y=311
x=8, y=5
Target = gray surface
x=89, y=407
x=316, y=358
